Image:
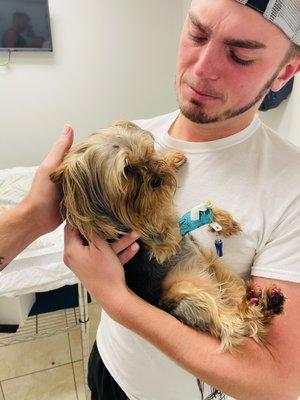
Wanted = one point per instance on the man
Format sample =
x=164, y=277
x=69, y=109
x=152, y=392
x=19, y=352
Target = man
x=13, y=36
x=231, y=53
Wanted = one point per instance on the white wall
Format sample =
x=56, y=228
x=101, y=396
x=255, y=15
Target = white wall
x=186, y=6
x=112, y=59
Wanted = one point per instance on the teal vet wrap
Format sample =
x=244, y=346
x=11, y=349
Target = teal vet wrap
x=198, y=216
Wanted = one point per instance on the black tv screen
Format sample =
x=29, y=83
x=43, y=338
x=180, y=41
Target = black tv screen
x=25, y=25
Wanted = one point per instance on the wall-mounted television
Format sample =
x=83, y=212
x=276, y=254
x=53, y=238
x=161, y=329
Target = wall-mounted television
x=25, y=25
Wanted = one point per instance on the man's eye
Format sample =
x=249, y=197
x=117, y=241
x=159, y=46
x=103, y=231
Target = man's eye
x=197, y=39
x=239, y=60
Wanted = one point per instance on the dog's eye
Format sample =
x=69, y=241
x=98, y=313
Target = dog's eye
x=156, y=182
x=128, y=169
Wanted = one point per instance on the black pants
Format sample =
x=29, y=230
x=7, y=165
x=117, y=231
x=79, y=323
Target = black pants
x=104, y=387
x=101, y=383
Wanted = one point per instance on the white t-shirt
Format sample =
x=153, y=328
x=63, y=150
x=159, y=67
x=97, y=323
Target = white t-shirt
x=255, y=175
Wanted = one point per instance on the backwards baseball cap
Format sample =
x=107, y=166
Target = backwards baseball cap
x=283, y=13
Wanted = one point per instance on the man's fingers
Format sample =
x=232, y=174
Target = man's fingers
x=73, y=240
x=125, y=241
x=127, y=254
x=96, y=242
x=71, y=235
x=60, y=148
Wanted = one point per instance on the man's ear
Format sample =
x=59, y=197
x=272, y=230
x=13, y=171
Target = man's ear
x=287, y=72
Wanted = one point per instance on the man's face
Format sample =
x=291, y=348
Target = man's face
x=23, y=23
x=215, y=59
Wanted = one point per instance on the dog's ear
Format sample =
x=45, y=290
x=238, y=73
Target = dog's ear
x=56, y=176
x=125, y=124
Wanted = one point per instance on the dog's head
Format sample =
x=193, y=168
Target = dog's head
x=115, y=181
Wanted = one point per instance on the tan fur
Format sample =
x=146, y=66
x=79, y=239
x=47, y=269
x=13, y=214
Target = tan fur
x=212, y=298
x=114, y=181
x=229, y=225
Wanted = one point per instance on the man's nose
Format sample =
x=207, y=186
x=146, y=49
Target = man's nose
x=208, y=63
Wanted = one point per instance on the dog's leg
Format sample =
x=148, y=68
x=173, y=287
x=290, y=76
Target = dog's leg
x=175, y=159
x=258, y=308
x=190, y=301
x=228, y=224
x=202, y=293
x=202, y=308
x=254, y=313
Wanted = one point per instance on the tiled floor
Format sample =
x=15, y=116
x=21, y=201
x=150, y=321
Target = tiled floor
x=48, y=368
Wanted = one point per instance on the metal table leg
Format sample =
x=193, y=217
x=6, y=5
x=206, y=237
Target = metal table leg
x=84, y=321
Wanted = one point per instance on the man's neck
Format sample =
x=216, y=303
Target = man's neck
x=184, y=129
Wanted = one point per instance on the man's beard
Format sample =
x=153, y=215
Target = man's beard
x=197, y=114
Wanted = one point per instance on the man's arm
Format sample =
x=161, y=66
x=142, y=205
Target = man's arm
x=256, y=373
x=16, y=233
x=38, y=213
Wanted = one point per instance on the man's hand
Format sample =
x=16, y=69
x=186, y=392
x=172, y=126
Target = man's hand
x=38, y=213
x=99, y=266
x=42, y=201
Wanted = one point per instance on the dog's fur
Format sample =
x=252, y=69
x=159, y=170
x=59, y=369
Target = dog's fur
x=115, y=181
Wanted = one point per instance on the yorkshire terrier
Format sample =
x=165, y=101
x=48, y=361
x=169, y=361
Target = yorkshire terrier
x=115, y=181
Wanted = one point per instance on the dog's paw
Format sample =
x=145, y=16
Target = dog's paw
x=175, y=159
x=253, y=294
x=274, y=300
x=229, y=225
x=271, y=300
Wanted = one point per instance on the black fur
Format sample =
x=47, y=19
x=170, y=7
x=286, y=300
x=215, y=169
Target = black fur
x=144, y=276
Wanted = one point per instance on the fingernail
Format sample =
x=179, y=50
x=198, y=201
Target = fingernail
x=66, y=129
x=135, y=235
x=135, y=247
